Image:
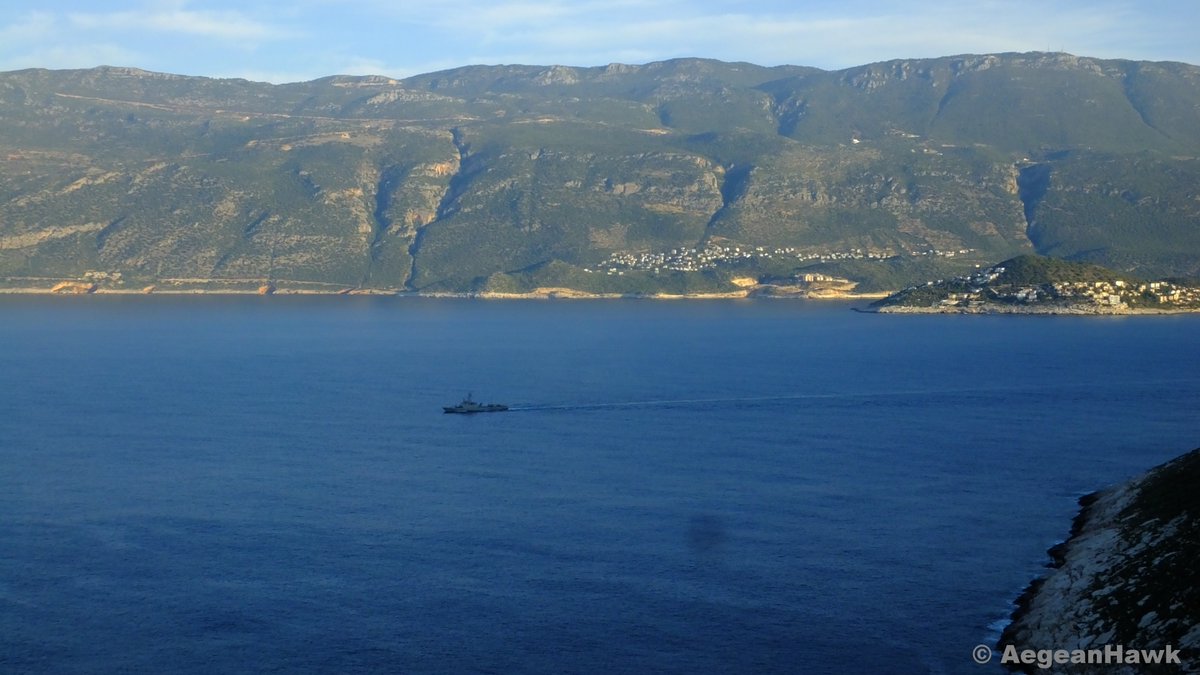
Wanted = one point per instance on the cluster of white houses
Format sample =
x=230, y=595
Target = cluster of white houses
x=1117, y=293
x=709, y=257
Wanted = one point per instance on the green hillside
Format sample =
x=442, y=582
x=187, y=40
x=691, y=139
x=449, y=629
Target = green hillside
x=515, y=177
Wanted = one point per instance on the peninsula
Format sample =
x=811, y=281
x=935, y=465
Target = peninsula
x=1032, y=284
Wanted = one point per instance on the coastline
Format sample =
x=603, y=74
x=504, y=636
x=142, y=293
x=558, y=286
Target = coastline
x=547, y=293
x=1123, y=576
x=1023, y=606
x=1045, y=310
x=766, y=292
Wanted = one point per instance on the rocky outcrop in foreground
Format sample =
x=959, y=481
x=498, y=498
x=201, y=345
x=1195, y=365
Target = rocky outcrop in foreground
x=1127, y=577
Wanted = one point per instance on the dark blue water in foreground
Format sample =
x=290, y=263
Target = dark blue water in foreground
x=268, y=484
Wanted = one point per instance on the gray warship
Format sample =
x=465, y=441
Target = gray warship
x=469, y=406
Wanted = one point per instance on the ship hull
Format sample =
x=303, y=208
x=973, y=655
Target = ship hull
x=460, y=410
x=469, y=406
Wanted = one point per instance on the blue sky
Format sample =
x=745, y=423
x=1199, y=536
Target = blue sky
x=285, y=41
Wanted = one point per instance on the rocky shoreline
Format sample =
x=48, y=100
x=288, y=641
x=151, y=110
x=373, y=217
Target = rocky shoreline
x=768, y=292
x=1077, y=310
x=1126, y=577
x=1031, y=284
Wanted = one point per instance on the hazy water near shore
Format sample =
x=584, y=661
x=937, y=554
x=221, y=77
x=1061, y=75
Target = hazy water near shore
x=233, y=484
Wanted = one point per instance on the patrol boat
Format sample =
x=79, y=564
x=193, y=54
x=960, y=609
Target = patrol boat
x=468, y=406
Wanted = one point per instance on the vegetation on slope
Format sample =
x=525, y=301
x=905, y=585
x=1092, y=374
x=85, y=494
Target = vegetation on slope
x=888, y=173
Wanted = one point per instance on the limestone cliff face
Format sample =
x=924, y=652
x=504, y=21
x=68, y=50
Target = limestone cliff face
x=1127, y=576
x=858, y=196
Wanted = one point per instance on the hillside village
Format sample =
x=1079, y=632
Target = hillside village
x=1117, y=293
x=1019, y=285
x=714, y=255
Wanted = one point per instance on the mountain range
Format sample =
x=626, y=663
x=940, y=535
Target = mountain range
x=675, y=176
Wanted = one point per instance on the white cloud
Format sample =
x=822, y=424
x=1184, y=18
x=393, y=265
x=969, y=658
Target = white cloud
x=74, y=56
x=290, y=40
x=399, y=38
x=32, y=27
x=38, y=39
x=225, y=25
x=589, y=34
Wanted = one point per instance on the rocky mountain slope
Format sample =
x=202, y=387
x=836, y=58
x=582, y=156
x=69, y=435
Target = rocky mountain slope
x=1127, y=576
x=505, y=178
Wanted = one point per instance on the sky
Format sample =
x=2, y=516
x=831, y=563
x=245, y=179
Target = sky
x=295, y=40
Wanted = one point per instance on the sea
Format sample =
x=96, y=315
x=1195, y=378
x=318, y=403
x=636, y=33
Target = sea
x=269, y=484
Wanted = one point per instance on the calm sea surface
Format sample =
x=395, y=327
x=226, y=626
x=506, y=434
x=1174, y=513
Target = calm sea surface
x=210, y=485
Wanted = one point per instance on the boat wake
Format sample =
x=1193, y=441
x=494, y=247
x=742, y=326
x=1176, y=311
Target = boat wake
x=847, y=396
x=666, y=402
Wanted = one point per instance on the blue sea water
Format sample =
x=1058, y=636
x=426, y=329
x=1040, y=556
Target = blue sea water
x=210, y=485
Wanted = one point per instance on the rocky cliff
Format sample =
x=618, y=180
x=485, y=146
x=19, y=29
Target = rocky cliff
x=1127, y=577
